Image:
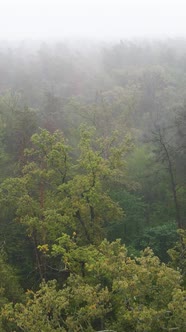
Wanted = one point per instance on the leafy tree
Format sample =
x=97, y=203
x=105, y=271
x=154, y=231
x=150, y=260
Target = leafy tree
x=18, y=125
x=178, y=254
x=151, y=184
x=55, y=194
x=160, y=239
x=10, y=289
x=32, y=195
x=166, y=155
x=114, y=292
x=132, y=224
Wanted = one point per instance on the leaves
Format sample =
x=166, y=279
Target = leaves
x=105, y=289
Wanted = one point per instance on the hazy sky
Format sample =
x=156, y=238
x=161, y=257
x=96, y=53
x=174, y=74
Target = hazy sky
x=103, y=19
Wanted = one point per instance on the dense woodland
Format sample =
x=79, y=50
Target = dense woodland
x=93, y=186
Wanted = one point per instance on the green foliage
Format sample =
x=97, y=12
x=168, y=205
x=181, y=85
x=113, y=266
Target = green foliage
x=59, y=199
x=18, y=124
x=152, y=185
x=178, y=254
x=10, y=289
x=133, y=222
x=114, y=292
x=19, y=250
x=160, y=239
x=56, y=194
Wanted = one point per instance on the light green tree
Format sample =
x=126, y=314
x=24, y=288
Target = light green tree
x=56, y=193
x=109, y=291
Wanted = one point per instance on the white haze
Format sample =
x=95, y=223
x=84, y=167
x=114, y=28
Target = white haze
x=98, y=19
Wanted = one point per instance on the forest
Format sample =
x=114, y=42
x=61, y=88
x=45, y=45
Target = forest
x=93, y=186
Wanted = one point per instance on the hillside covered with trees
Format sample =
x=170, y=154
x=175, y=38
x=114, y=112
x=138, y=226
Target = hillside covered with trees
x=93, y=186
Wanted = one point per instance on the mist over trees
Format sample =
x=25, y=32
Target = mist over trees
x=93, y=186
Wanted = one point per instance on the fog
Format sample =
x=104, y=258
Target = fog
x=92, y=148
x=98, y=19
